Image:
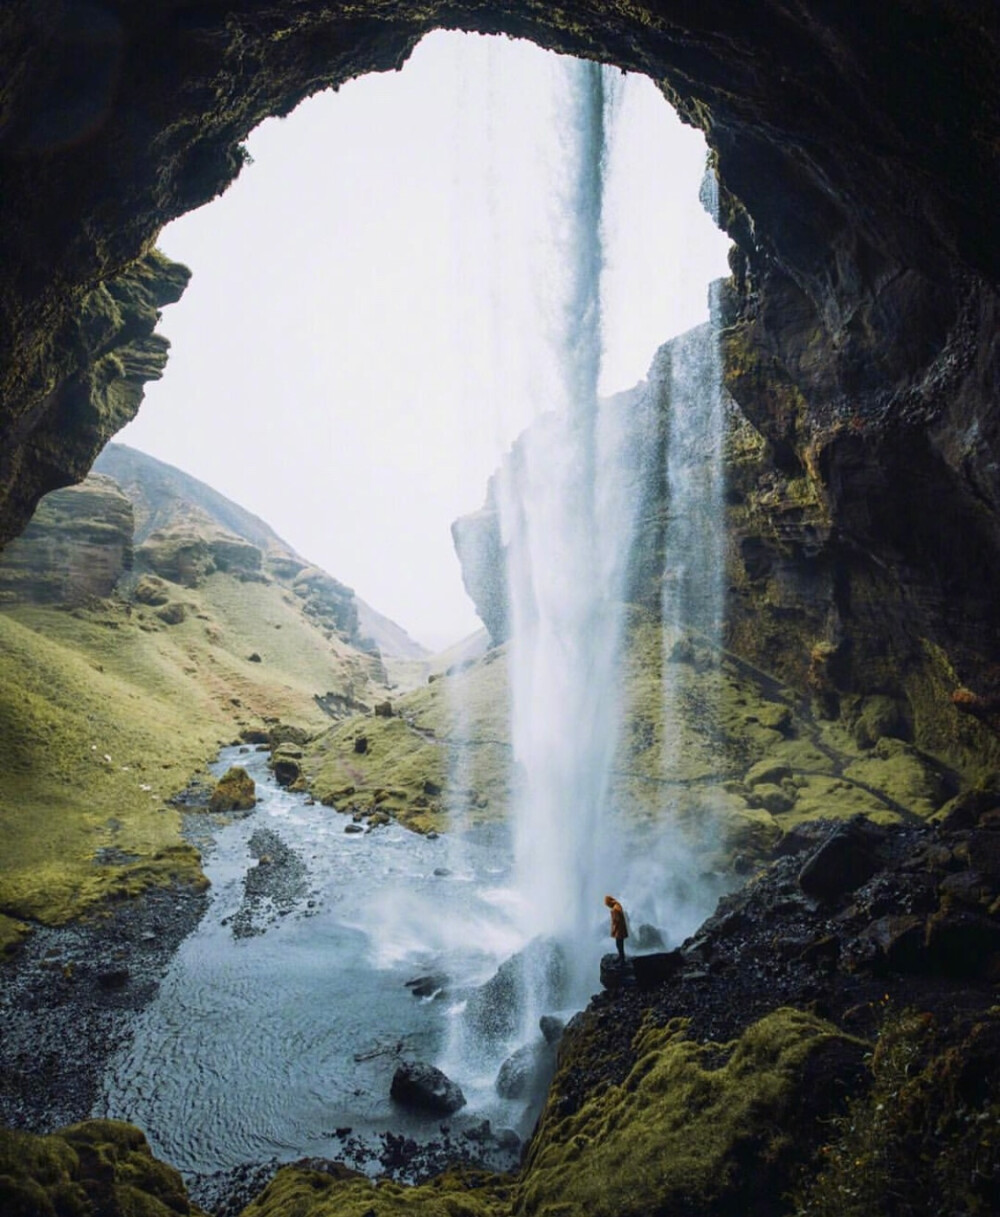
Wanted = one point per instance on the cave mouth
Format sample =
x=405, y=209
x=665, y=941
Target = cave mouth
x=368, y=307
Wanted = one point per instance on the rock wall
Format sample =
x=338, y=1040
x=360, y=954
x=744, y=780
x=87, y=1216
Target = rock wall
x=77, y=547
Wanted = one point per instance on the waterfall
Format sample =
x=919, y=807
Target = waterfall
x=579, y=209
x=566, y=527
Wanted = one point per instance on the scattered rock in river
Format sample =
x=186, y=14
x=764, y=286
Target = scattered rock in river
x=234, y=791
x=272, y=888
x=427, y=986
x=422, y=1087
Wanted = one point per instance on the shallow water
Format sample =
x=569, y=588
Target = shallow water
x=263, y=1044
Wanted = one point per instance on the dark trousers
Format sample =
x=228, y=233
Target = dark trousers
x=620, y=944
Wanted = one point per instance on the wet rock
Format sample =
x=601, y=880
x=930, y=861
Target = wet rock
x=964, y=945
x=525, y=1071
x=422, y=1087
x=494, y=1008
x=427, y=986
x=614, y=973
x=285, y=764
x=841, y=864
x=113, y=978
x=234, y=791
x=654, y=969
x=353, y=827
x=647, y=938
x=551, y=1028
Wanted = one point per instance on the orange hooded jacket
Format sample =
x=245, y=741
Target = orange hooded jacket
x=618, y=927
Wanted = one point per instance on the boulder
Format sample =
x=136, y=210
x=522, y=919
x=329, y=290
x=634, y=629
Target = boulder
x=615, y=975
x=422, y=1087
x=551, y=1028
x=285, y=764
x=647, y=938
x=650, y=970
x=427, y=986
x=173, y=613
x=234, y=791
x=844, y=861
x=539, y=969
x=525, y=1072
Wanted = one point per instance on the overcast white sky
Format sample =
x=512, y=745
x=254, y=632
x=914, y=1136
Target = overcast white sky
x=341, y=362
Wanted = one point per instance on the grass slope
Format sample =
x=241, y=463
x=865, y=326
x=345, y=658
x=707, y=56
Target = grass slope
x=731, y=755
x=106, y=712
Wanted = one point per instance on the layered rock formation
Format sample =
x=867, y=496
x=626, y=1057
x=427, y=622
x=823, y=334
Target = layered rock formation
x=77, y=546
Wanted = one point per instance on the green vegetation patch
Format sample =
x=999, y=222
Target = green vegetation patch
x=925, y=1138
x=442, y=758
x=99, y=1166
x=297, y=1192
x=106, y=712
x=682, y=1132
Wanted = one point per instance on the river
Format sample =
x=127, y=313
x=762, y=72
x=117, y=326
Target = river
x=279, y=1023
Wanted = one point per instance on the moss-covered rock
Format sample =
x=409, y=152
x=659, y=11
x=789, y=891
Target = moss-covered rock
x=234, y=791
x=685, y=1133
x=99, y=1166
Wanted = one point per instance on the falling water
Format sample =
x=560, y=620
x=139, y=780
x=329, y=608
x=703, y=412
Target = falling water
x=569, y=496
x=567, y=528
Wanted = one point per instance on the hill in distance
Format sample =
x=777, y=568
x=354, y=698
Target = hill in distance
x=144, y=621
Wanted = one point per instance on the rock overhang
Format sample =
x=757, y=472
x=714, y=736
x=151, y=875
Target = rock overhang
x=856, y=147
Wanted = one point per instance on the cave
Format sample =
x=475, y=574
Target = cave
x=856, y=154
x=857, y=150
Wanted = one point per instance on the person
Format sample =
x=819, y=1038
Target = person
x=619, y=930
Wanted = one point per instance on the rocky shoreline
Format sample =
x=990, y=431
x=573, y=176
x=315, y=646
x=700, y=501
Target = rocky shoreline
x=70, y=995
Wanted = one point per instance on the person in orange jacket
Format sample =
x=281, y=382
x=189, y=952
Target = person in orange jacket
x=619, y=930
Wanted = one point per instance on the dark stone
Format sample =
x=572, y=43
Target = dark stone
x=431, y=788
x=253, y=657
x=113, y=978
x=286, y=770
x=422, y=1087
x=841, y=864
x=647, y=938
x=354, y=827
x=540, y=968
x=614, y=973
x=383, y=709
x=427, y=986
x=551, y=1028
x=361, y=745
x=654, y=969
x=526, y=1071
x=964, y=945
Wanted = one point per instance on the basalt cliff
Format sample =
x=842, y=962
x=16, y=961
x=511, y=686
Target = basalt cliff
x=857, y=149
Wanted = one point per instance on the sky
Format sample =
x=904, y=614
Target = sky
x=364, y=334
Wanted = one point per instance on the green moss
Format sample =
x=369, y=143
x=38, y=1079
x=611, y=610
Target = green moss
x=100, y=1166
x=295, y=1192
x=446, y=749
x=682, y=1131
x=925, y=1138
x=106, y=713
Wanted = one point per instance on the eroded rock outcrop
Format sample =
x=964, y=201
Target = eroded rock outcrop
x=77, y=546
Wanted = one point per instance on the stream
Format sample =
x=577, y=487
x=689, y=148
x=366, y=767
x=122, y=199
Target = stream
x=281, y=1019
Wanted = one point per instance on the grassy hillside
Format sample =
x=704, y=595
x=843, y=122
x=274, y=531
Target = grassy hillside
x=108, y=709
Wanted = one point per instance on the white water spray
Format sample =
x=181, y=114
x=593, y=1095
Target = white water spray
x=567, y=529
